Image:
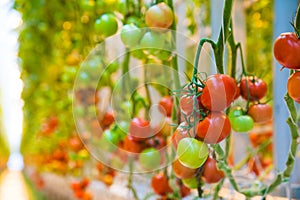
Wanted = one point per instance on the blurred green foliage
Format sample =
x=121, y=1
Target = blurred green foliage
x=259, y=31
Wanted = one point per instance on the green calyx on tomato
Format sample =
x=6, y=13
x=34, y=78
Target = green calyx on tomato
x=106, y=24
x=192, y=153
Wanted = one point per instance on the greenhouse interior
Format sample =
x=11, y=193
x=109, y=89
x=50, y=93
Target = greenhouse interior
x=149, y=99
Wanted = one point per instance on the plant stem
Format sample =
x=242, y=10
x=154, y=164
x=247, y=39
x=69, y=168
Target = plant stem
x=197, y=57
x=297, y=22
x=125, y=74
x=130, y=178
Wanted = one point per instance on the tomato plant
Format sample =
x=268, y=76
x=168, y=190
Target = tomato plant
x=214, y=128
x=287, y=50
x=253, y=88
x=293, y=86
x=211, y=174
x=159, y=16
x=219, y=92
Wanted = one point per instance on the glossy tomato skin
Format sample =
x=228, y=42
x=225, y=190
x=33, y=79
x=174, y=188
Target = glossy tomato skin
x=139, y=129
x=287, y=50
x=132, y=146
x=106, y=24
x=182, y=171
x=159, y=16
x=166, y=105
x=293, y=86
x=186, y=104
x=180, y=133
x=243, y=123
x=211, y=174
x=160, y=184
x=253, y=88
x=261, y=113
x=219, y=92
x=214, y=128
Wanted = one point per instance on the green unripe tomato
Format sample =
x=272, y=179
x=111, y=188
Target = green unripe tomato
x=131, y=35
x=243, y=123
x=106, y=24
x=191, y=183
x=152, y=40
x=149, y=159
x=192, y=153
x=109, y=140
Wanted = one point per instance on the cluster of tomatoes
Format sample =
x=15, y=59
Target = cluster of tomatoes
x=205, y=122
x=80, y=189
x=286, y=52
x=142, y=36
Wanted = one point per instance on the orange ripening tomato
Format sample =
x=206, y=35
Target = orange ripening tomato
x=159, y=16
x=214, y=128
x=260, y=113
x=166, y=105
x=182, y=171
x=293, y=86
x=160, y=184
x=287, y=50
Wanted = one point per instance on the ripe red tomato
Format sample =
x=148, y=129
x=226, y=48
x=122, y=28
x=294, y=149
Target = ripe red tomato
x=293, y=86
x=160, y=184
x=253, y=88
x=182, y=171
x=219, y=92
x=211, y=174
x=108, y=119
x=261, y=113
x=132, y=146
x=214, y=128
x=139, y=129
x=166, y=105
x=184, y=191
x=287, y=50
x=159, y=16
